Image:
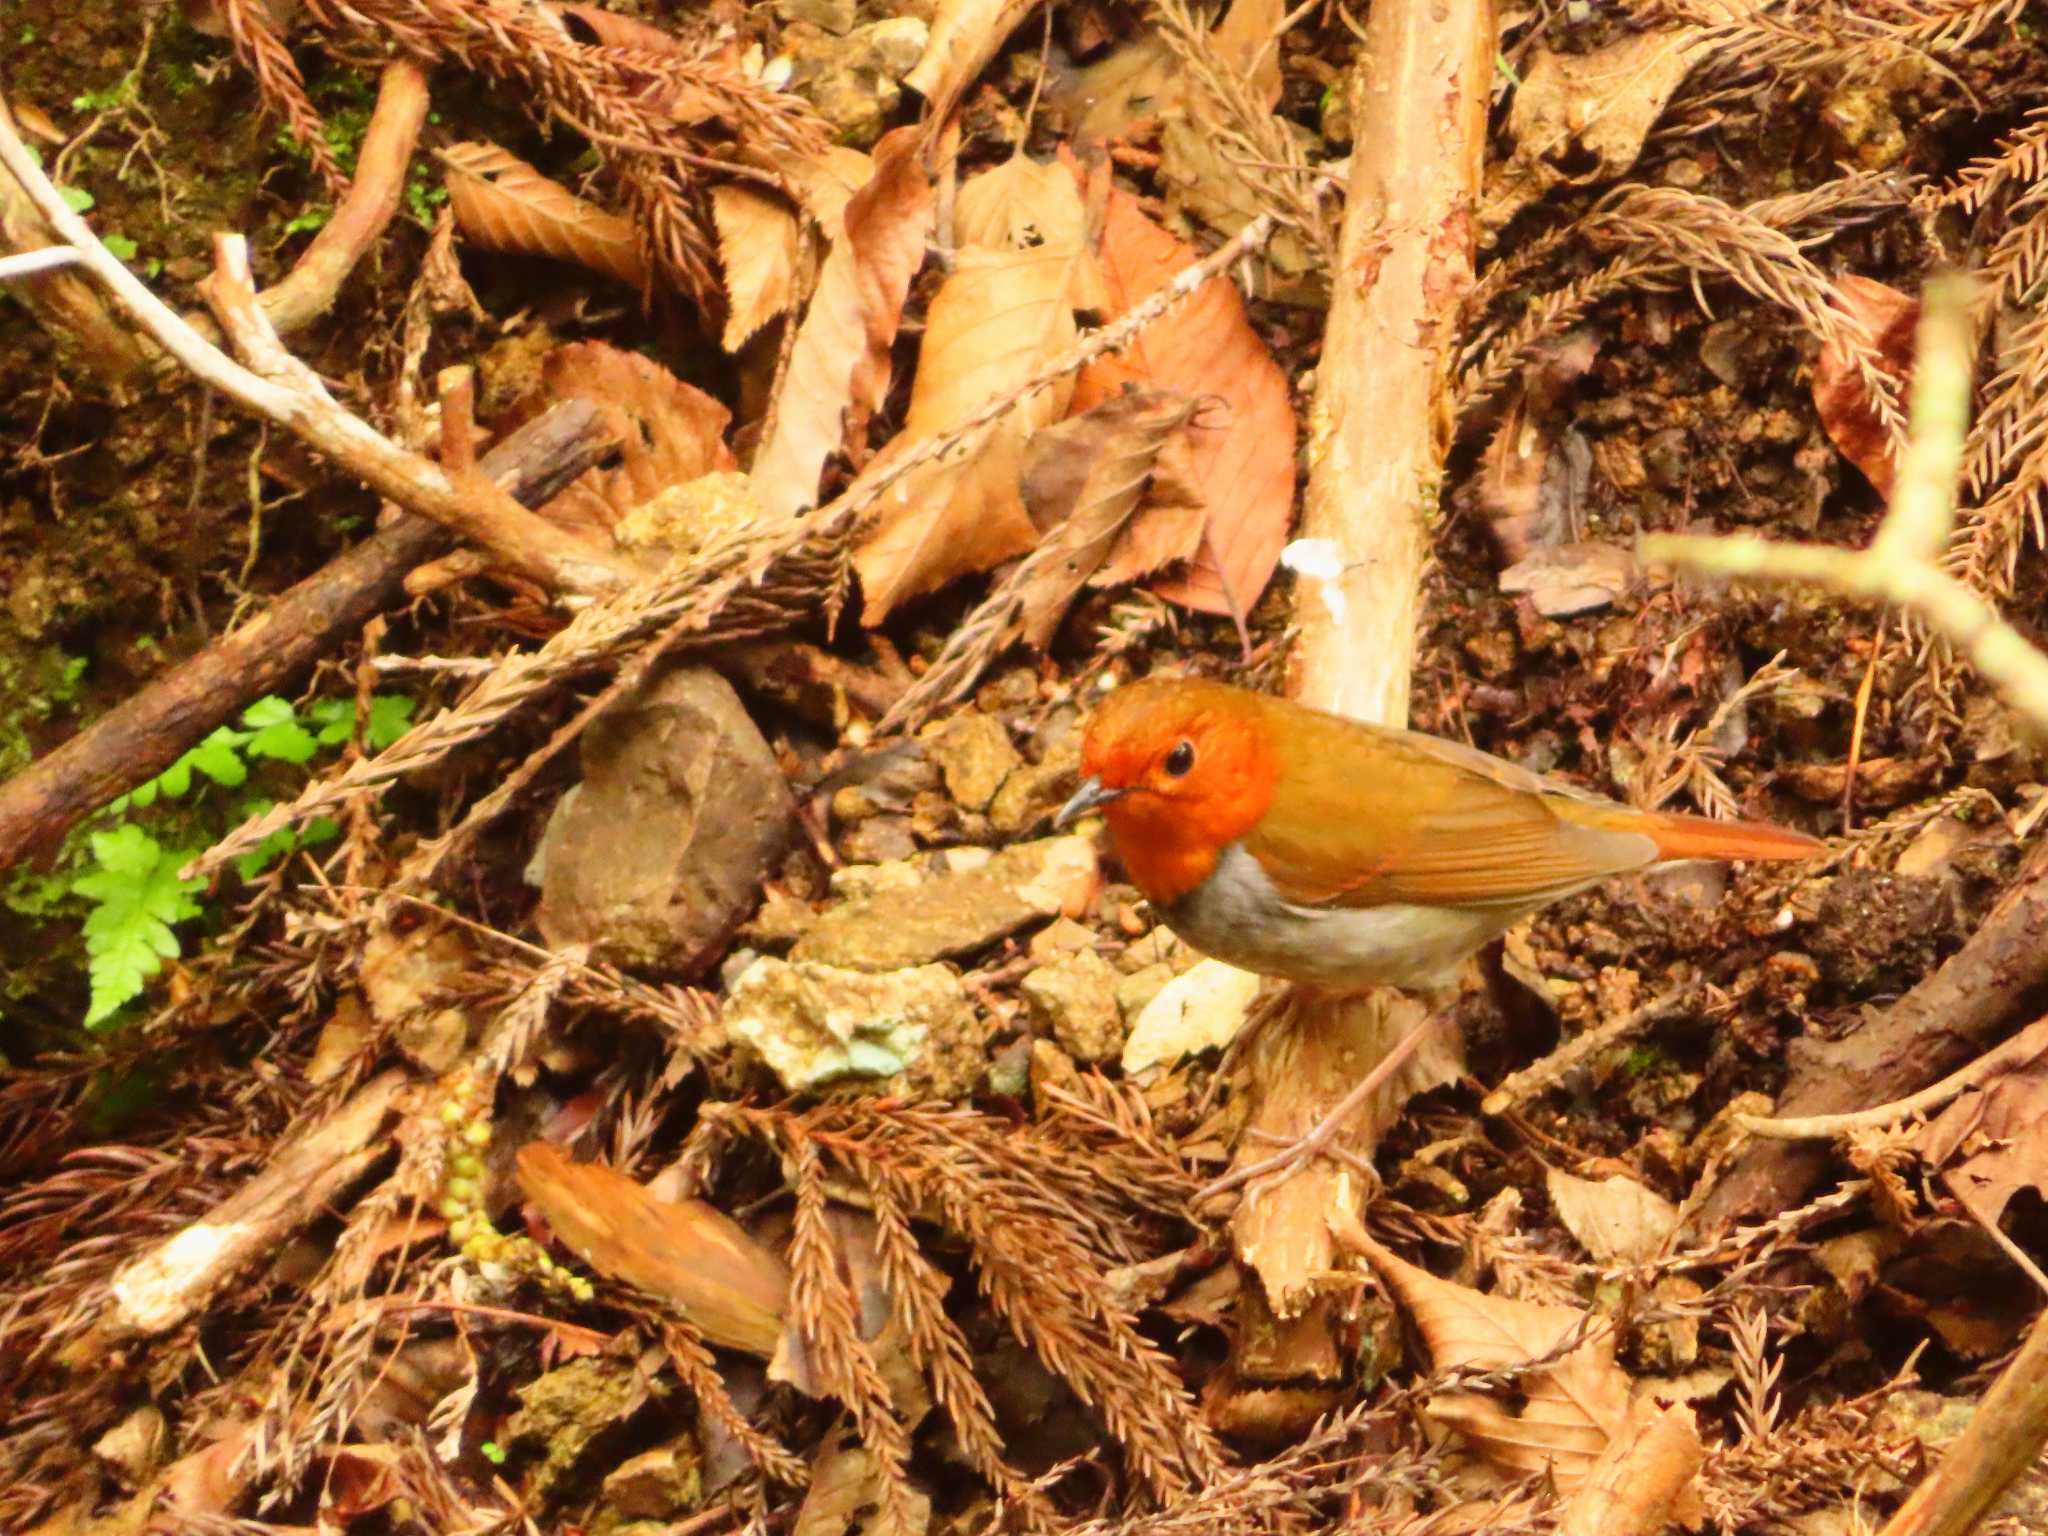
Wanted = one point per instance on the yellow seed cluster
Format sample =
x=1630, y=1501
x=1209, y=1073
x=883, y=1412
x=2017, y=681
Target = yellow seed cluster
x=469, y=1224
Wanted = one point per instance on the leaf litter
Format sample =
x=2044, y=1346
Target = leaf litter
x=706, y=1243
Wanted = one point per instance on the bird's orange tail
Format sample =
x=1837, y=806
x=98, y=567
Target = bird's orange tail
x=1700, y=837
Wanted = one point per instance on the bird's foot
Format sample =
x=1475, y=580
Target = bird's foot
x=1316, y=1141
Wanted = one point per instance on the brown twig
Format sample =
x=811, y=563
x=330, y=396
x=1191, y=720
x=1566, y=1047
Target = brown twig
x=146, y=732
x=277, y=386
x=2004, y=1436
x=156, y=1292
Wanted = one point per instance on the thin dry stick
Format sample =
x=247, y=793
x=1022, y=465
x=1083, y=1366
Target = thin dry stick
x=2004, y=1436
x=750, y=583
x=2020, y=1049
x=1902, y=564
x=277, y=386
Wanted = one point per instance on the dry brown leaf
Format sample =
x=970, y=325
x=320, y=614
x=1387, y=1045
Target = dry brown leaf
x=992, y=326
x=760, y=240
x=1616, y=1220
x=1083, y=479
x=1600, y=105
x=503, y=204
x=688, y=1253
x=1571, y=1409
x=965, y=36
x=669, y=432
x=1247, y=42
x=1241, y=447
x=1025, y=205
x=839, y=366
x=845, y=1493
x=1992, y=1142
x=1643, y=1482
x=759, y=244
x=1137, y=83
x=1840, y=395
x=1166, y=532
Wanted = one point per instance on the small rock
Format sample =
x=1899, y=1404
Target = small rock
x=1186, y=1015
x=1156, y=946
x=974, y=754
x=879, y=840
x=853, y=80
x=815, y=1024
x=1036, y=790
x=682, y=813
x=1061, y=936
x=561, y=1412
x=662, y=1484
x=1075, y=998
x=1137, y=990
x=956, y=913
x=134, y=1448
x=834, y=16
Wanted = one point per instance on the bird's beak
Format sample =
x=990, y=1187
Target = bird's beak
x=1092, y=795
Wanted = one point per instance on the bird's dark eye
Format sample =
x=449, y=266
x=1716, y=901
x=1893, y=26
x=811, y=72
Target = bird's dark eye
x=1181, y=759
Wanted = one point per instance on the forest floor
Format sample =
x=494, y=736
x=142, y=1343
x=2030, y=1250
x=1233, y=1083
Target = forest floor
x=589, y=1025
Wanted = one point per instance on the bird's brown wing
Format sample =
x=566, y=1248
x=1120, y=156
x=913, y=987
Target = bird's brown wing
x=1363, y=816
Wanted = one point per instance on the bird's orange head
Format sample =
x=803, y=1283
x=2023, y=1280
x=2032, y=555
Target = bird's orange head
x=1180, y=768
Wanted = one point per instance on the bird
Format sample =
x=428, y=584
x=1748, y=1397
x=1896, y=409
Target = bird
x=1314, y=848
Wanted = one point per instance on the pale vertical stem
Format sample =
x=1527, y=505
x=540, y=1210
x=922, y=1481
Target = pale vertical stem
x=1378, y=431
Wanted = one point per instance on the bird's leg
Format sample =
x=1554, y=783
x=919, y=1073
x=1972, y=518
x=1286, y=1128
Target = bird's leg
x=1318, y=1137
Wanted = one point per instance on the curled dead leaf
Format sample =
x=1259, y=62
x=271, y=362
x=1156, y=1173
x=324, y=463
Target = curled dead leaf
x=503, y=204
x=965, y=36
x=669, y=432
x=991, y=327
x=1084, y=479
x=686, y=1252
x=1841, y=394
x=1241, y=449
x=1643, y=1482
x=1571, y=1409
x=598, y=28
x=839, y=366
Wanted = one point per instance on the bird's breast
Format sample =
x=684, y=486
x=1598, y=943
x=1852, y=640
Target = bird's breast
x=1237, y=915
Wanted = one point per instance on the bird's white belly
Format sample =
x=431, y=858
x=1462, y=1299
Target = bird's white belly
x=1237, y=916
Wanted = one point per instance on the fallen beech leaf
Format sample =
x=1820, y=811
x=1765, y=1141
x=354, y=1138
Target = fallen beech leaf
x=1242, y=447
x=1025, y=205
x=503, y=204
x=669, y=432
x=991, y=327
x=965, y=36
x=760, y=241
x=1616, y=1220
x=684, y=1251
x=1084, y=478
x=1840, y=395
x=1643, y=1481
x=839, y=366
x=1571, y=1409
